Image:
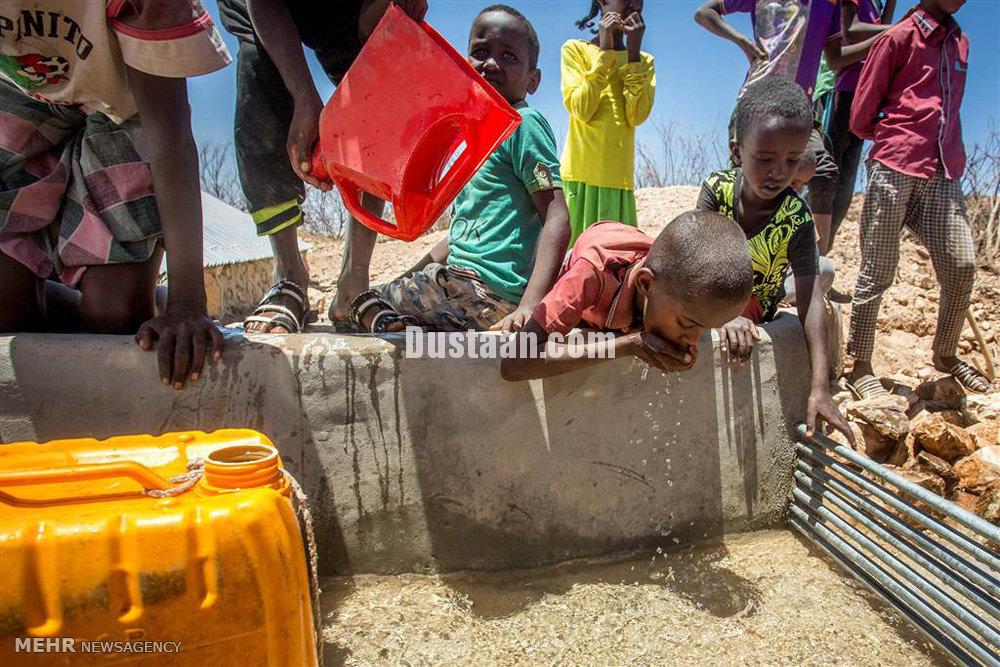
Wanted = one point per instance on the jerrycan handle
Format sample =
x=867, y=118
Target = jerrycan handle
x=85, y=472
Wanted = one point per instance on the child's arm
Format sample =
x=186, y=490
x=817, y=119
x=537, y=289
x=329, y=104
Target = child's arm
x=709, y=17
x=277, y=32
x=856, y=31
x=812, y=313
x=639, y=87
x=876, y=75
x=437, y=255
x=839, y=55
x=185, y=335
x=652, y=349
x=552, y=244
x=582, y=83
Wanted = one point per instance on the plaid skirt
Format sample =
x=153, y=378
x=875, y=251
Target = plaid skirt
x=74, y=190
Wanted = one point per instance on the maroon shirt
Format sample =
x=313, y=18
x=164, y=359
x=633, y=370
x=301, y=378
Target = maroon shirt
x=909, y=95
x=596, y=286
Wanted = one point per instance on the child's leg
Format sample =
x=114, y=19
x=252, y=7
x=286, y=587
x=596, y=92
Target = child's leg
x=118, y=298
x=822, y=188
x=886, y=203
x=21, y=296
x=945, y=231
x=446, y=300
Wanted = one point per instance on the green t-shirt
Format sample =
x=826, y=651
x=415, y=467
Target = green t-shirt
x=495, y=227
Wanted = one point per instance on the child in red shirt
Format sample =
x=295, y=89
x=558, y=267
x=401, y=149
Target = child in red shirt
x=907, y=102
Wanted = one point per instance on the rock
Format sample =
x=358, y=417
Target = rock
x=966, y=500
x=937, y=466
x=953, y=417
x=927, y=480
x=888, y=402
x=943, y=439
x=947, y=390
x=867, y=441
x=982, y=407
x=905, y=452
x=986, y=433
x=842, y=397
x=907, y=393
x=979, y=469
x=988, y=506
x=885, y=418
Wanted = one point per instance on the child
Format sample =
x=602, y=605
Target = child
x=772, y=123
x=660, y=295
x=863, y=21
x=276, y=128
x=907, y=102
x=607, y=87
x=789, y=38
x=95, y=119
x=510, y=227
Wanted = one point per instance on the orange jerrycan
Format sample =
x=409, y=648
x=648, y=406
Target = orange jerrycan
x=181, y=549
x=398, y=117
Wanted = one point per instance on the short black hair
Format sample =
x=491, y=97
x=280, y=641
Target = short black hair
x=702, y=255
x=534, y=46
x=771, y=97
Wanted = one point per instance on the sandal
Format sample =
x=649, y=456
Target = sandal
x=865, y=387
x=386, y=316
x=293, y=320
x=969, y=377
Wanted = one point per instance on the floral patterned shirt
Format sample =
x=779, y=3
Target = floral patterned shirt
x=786, y=239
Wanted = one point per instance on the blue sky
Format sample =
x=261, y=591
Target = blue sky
x=697, y=74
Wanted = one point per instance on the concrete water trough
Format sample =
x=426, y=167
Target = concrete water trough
x=428, y=477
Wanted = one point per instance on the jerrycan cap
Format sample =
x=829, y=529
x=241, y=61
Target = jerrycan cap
x=243, y=466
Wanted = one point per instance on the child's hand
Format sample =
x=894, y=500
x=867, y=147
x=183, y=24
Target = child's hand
x=821, y=404
x=661, y=353
x=513, y=322
x=303, y=133
x=634, y=28
x=184, y=338
x=754, y=52
x=611, y=26
x=738, y=337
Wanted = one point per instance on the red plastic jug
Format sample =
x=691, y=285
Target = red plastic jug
x=398, y=117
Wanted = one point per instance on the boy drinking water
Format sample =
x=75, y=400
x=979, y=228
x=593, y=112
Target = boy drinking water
x=661, y=295
x=510, y=227
x=772, y=123
x=907, y=102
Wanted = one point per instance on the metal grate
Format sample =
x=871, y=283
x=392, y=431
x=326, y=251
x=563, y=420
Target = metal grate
x=933, y=561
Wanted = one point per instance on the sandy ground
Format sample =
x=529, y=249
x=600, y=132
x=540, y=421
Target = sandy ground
x=906, y=321
x=757, y=598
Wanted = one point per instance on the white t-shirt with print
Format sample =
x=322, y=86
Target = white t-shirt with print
x=75, y=52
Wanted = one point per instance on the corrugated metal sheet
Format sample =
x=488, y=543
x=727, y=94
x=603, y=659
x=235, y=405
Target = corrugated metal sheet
x=230, y=235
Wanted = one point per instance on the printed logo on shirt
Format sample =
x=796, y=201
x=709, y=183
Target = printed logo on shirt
x=39, y=23
x=34, y=70
x=543, y=176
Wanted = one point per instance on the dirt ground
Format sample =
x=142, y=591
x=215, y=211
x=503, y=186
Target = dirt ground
x=906, y=320
x=757, y=598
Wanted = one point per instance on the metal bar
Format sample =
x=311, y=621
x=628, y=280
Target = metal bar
x=954, y=632
x=901, y=505
x=953, y=560
x=924, y=585
x=981, y=598
x=932, y=633
x=951, y=510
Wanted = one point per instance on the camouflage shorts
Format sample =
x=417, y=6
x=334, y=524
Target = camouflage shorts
x=444, y=298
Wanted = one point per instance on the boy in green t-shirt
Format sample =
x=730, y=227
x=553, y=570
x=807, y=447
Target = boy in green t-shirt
x=510, y=227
